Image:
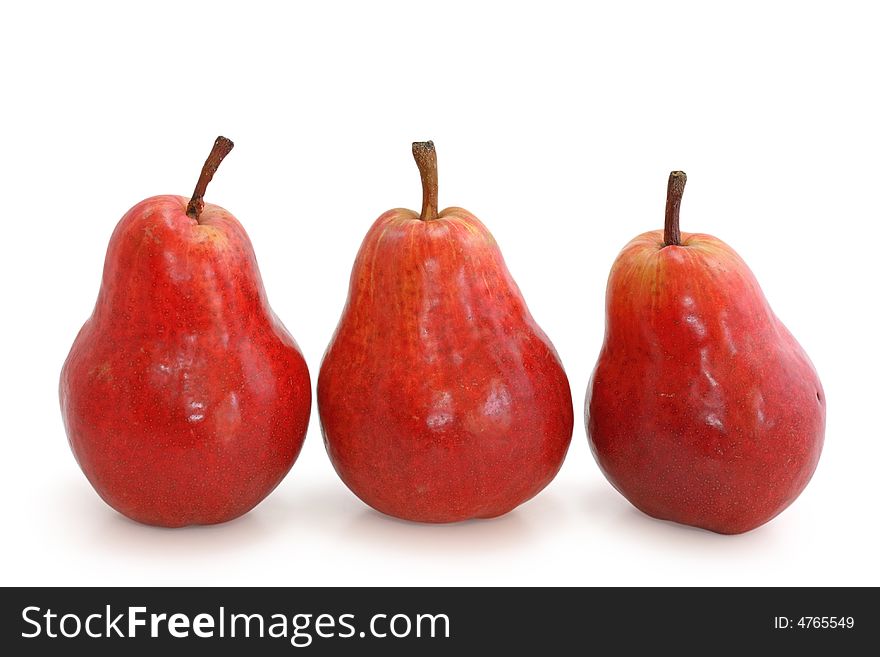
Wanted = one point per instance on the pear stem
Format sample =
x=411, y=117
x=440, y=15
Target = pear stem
x=426, y=159
x=221, y=149
x=674, y=191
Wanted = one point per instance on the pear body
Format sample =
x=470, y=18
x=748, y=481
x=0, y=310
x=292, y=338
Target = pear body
x=185, y=399
x=702, y=409
x=440, y=397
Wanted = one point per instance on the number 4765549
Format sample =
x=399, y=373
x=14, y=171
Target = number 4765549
x=815, y=622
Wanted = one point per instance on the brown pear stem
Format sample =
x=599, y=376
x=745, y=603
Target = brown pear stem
x=221, y=149
x=674, y=191
x=426, y=159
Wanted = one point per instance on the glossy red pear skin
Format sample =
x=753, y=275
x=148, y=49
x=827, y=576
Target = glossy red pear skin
x=440, y=397
x=703, y=408
x=185, y=399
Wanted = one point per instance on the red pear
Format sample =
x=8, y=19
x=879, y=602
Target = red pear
x=184, y=398
x=702, y=409
x=440, y=397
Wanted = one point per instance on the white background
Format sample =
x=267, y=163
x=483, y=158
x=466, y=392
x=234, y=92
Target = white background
x=556, y=124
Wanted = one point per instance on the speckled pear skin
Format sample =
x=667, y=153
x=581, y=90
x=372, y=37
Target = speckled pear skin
x=440, y=397
x=702, y=408
x=184, y=398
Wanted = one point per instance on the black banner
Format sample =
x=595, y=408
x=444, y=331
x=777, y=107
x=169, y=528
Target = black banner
x=319, y=621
